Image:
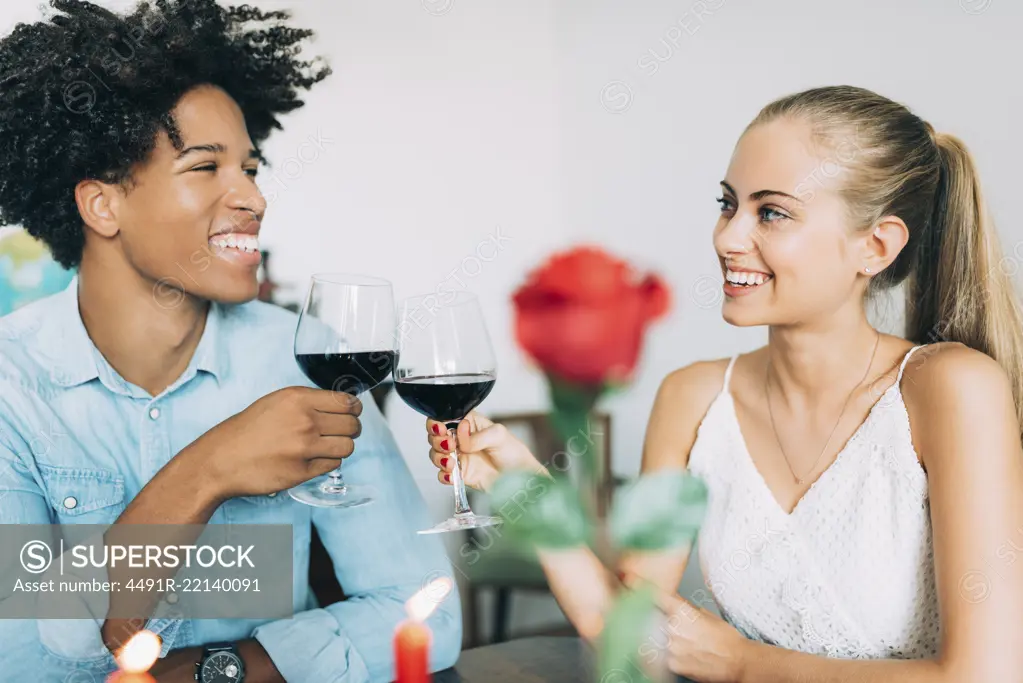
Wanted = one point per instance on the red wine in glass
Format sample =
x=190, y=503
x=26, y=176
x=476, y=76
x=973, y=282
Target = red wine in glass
x=344, y=343
x=445, y=368
x=445, y=398
x=351, y=373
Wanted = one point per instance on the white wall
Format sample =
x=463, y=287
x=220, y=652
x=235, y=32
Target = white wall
x=595, y=120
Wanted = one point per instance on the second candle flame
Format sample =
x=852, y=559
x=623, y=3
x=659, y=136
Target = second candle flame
x=421, y=605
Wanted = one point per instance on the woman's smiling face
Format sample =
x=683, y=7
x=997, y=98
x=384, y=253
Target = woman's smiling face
x=787, y=250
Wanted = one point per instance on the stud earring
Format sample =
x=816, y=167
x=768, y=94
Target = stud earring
x=867, y=271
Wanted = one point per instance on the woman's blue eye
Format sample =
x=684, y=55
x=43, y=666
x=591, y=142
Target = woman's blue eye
x=726, y=204
x=769, y=215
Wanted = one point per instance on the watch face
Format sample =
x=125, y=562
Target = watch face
x=221, y=667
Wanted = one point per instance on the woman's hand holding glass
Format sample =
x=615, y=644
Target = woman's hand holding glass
x=486, y=451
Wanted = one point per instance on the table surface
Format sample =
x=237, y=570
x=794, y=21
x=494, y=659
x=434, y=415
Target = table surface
x=529, y=660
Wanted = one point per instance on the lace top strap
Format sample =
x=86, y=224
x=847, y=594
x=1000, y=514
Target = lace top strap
x=728, y=373
x=902, y=367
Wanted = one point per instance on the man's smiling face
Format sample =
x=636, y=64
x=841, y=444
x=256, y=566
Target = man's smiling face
x=191, y=217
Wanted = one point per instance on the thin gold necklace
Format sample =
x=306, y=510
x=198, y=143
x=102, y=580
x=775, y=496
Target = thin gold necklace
x=767, y=395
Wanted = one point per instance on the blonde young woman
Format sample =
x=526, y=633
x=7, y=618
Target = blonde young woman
x=863, y=488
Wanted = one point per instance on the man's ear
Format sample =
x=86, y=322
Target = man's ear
x=98, y=203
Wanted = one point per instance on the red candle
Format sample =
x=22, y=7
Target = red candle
x=412, y=639
x=411, y=652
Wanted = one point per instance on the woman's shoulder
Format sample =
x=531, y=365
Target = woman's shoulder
x=682, y=402
x=951, y=367
x=697, y=382
x=959, y=401
x=688, y=392
x=959, y=388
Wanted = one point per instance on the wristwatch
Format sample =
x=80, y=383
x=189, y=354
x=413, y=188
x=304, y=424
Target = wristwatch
x=220, y=663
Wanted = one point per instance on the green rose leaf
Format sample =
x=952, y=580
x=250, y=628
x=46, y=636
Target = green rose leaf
x=540, y=512
x=626, y=625
x=658, y=511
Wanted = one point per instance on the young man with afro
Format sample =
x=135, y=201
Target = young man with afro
x=155, y=389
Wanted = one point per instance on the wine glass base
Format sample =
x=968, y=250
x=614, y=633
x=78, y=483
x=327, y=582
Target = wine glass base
x=468, y=520
x=320, y=493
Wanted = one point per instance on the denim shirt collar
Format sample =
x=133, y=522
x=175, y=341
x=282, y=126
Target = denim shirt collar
x=76, y=360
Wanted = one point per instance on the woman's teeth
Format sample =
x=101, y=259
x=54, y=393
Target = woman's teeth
x=241, y=242
x=746, y=278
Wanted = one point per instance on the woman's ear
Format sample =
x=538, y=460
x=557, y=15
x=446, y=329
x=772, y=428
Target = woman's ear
x=883, y=244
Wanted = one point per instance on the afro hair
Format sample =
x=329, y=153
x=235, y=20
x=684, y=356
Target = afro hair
x=85, y=93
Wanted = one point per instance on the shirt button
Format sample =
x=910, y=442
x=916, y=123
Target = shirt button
x=70, y=502
x=154, y=413
x=172, y=598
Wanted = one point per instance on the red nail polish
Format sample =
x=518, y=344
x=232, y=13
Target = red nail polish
x=436, y=429
x=443, y=462
x=444, y=444
x=447, y=477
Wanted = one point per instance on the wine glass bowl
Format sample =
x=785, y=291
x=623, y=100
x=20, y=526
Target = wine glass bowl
x=445, y=368
x=344, y=342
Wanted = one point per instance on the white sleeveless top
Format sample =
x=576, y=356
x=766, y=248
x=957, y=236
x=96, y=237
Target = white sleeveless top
x=850, y=572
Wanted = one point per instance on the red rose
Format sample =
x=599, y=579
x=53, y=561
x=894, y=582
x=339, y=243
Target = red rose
x=582, y=315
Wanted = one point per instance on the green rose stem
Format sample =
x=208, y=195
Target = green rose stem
x=572, y=417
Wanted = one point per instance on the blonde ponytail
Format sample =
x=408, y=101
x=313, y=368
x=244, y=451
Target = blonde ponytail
x=958, y=286
x=960, y=290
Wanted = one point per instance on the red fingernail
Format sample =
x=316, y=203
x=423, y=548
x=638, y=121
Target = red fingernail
x=447, y=477
x=436, y=429
x=443, y=462
x=444, y=444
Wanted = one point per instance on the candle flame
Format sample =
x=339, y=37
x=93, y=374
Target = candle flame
x=139, y=653
x=421, y=605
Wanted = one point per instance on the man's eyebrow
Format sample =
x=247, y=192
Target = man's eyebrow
x=216, y=148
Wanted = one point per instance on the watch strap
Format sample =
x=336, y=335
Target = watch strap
x=218, y=647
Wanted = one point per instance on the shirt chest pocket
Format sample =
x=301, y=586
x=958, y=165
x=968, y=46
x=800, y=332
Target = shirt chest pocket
x=83, y=496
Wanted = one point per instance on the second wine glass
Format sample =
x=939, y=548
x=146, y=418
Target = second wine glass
x=445, y=368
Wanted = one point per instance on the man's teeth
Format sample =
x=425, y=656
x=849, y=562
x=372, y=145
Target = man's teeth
x=746, y=278
x=248, y=243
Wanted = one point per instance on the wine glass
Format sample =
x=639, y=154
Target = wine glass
x=344, y=342
x=446, y=368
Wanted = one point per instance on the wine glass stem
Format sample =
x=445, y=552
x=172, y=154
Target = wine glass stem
x=458, y=484
x=336, y=482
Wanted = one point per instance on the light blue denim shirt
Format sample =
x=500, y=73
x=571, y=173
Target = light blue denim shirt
x=71, y=429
